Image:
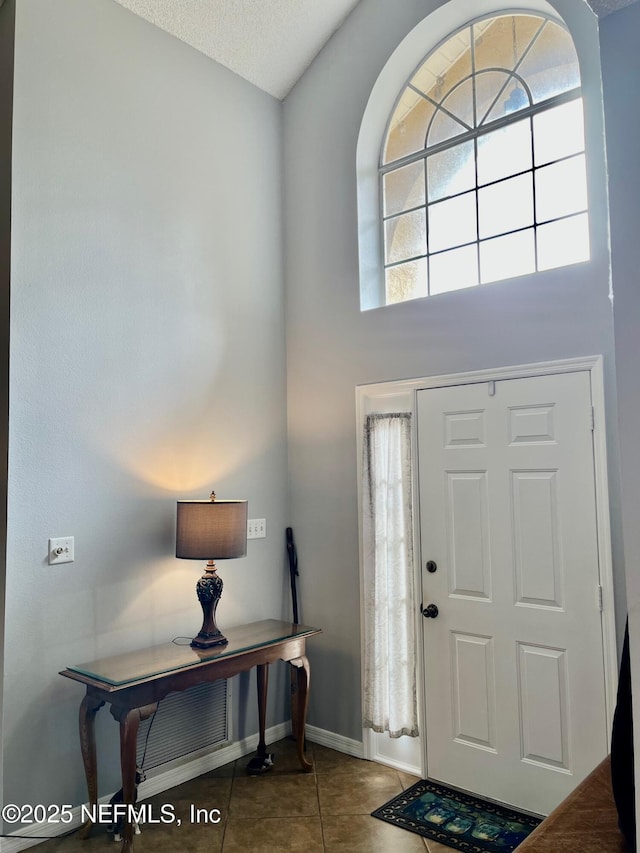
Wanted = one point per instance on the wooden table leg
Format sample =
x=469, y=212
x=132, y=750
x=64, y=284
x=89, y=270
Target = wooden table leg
x=262, y=760
x=263, y=683
x=302, y=696
x=293, y=689
x=89, y=707
x=129, y=720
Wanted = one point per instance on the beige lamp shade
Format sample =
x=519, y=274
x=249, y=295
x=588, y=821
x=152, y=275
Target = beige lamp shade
x=211, y=530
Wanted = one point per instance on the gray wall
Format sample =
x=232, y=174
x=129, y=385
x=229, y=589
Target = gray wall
x=7, y=18
x=147, y=362
x=332, y=346
x=621, y=71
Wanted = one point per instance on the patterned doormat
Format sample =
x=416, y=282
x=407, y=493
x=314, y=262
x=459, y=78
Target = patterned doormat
x=457, y=820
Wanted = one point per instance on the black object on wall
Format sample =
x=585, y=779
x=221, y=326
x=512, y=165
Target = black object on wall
x=622, y=765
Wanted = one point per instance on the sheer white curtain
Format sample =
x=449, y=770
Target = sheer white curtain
x=389, y=618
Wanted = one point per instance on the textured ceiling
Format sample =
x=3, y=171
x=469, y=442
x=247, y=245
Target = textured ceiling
x=268, y=42
x=603, y=7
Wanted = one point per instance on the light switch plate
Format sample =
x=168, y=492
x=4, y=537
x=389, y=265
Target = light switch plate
x=61, y=550
x=256, y=528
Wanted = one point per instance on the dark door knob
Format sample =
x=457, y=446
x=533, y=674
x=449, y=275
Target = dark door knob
x=430, y=611
x=432, y=566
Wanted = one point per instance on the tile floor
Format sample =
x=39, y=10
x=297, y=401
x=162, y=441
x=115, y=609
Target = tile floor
x=285, y=810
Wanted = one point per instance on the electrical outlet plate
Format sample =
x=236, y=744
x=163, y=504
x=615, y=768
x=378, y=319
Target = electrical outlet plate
x=257, y=528
x=61, y=550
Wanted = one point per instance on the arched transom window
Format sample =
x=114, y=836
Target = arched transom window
x=482, y=166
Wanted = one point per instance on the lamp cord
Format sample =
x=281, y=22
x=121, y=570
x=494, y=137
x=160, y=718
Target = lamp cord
x=146, y=740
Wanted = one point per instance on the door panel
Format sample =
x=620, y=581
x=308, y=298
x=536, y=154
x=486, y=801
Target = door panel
x=514, y=673
x=536, y=538
x=468, y=499
x=542, y=683
x=474, y=704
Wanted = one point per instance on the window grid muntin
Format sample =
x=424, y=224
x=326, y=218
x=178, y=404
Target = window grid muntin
x=424, y=155
x=474, y=135
x=546, y=18
x=439, y=109
x=511, y=76
x=533, y=226
x=475, y=164
x=486, y=184
x=477, y=245
x=517, y=65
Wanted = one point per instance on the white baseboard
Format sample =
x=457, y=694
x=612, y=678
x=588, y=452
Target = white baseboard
x=334, y=741
x=410, y=769
x=150, y=787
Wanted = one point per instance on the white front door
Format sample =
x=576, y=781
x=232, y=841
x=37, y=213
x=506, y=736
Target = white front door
x=514, y=673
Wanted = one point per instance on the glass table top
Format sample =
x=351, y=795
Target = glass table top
x=130, y=667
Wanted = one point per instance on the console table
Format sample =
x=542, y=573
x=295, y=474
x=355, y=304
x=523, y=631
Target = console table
x=133, y=684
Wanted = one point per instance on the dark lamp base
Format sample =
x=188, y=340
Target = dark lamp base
x=209, y=590
x=204, y=641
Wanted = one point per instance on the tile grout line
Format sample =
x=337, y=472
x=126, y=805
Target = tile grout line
x=226, y=820
x=315, y=779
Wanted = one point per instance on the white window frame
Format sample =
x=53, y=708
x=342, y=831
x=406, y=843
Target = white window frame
x=472, y=135
x=409, y=54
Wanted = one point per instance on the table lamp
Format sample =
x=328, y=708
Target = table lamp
x=210, y=530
